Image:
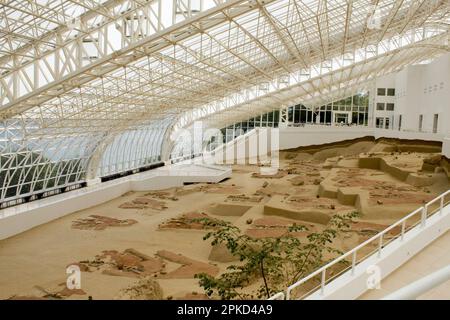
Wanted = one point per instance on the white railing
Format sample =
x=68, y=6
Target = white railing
x=421, y=286
x=422, y=213
x=278, y=296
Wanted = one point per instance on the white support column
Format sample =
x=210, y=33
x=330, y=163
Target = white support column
x=283, y=122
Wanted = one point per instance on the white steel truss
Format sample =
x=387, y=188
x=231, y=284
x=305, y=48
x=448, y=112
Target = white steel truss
x=317, y=87
x=94, y=87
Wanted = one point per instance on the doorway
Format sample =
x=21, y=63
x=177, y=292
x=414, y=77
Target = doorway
x=341, y=118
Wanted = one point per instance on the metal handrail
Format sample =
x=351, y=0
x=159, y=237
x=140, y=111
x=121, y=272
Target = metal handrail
x=278, y=296
x=402, y=222
x=421, y=286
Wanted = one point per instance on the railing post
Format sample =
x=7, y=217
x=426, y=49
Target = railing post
x=380, y=245
x=353, y=262
x=441, y=205
x=322, y=285
x=403, y=229
x=423, y=218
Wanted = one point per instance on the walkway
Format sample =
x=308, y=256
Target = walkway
x=434, y=257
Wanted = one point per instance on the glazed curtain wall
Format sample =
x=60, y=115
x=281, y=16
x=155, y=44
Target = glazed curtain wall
x=357, y=106
x=134, y=149
x=31, y=165
x=35, y=162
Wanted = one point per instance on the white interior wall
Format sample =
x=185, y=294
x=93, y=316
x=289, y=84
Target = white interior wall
x=424, y=89
x=435, y=94
x=408, y=82
x=446, y=147
x=385, y=82
x=419, y=90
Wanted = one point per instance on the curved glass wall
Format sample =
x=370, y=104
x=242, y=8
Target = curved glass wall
x=133, y=149
x=32, y=167
x=35, y=162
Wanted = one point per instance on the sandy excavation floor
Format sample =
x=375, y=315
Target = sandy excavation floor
x=121, y=245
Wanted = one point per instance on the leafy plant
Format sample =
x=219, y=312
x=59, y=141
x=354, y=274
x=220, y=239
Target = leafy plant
x=269, y=265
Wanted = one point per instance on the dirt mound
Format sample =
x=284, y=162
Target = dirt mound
x=340, y=144
x=301, y=167
x=278, y=175
x=445, y=164
x=129, y=263
x=275, y=209
x=298, y=156
x=208, y=188
x=365, y=144
x=370, y=227
x=270, y=222
x=281, y=189
x=432, y=162
x=312, y=178
x=388, y=194
x=225, y=209
x=244, y=198
x=221, y=253
x=328, y=153
x=49, y=294
x=187, y=190
x=406, y=145
x=274, y=227
x=221, y=188
x=273, y=232
x=326, y=204
x=189, y=267
x=66, y=292
x=353, y=177
x=162, y=195
x=96, y=222
x=144, y=289
x=266, y=233
x=188, y=221
x=194, y=296
x=144, y=203
x=375, y=190
x=297, y=181
x=26, y=298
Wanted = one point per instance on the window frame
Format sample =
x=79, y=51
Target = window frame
x=390, y=92
x=381, y=90
x=381, y=104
